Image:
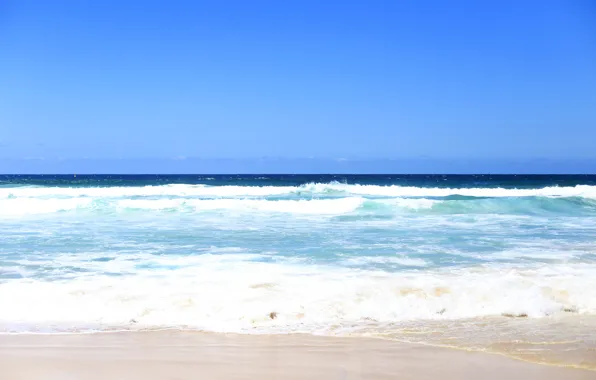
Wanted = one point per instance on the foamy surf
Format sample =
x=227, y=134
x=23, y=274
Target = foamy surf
x=239, y=294
x=310, y=189
x=315, y=206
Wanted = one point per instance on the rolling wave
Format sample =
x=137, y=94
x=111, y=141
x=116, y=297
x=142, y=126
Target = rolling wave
x=308, y=190
x=328, y=206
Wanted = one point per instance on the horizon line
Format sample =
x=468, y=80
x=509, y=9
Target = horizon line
x=297, y=174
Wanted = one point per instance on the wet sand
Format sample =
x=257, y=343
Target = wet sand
x=187, y=355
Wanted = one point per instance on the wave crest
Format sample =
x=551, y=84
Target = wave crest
x=311, y=189
x=329, y=206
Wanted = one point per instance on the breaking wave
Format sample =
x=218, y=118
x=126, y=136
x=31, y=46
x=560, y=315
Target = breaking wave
x=327, y=206
x=312, y=189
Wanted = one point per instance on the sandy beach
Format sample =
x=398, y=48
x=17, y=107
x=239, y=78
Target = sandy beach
x=186, y=355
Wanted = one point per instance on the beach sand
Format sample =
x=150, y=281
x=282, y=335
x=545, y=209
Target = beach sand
x=187, y=355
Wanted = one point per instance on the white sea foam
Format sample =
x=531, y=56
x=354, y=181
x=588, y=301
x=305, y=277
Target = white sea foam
x=312, y=188
x=237, y=294
x=410, y=203
x=317, y=206
x=533, y=253
x=43, y=204
x=404, y=191
x=397, y=260
x=25, y=206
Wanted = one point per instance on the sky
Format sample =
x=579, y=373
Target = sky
x=297, y=85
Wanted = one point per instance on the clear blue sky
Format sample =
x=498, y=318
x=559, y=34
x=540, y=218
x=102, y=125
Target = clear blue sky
x=147, y=81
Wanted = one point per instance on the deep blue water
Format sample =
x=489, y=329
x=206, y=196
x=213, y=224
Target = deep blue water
x=422, y=180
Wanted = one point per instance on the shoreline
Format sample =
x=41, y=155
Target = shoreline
x=174, y=354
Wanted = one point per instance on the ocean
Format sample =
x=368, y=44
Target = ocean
x=492, y=263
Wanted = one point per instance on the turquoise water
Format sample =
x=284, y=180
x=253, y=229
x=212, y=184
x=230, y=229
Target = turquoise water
x=477, y=262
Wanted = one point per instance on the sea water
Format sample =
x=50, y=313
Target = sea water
x=503, y=264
